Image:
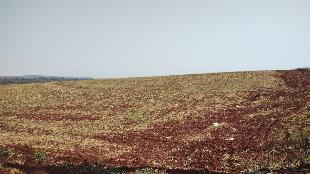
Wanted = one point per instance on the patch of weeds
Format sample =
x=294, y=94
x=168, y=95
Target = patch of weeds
x=88, y=168
x=137, y=117
x=114, y=171
x=288, y=146
x=39, y=156
x=149, y=171
x=6, y=152
x=134, y=116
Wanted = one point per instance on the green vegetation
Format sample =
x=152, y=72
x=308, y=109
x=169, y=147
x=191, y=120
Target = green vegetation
x=292, y=143
x=6, y=152
x=137, y=117
x=35, y=79
x=39, y=156
x=149, y=171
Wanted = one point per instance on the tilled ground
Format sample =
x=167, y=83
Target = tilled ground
x=224, y=122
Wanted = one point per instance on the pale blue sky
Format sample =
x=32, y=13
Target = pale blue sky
x=121, y=38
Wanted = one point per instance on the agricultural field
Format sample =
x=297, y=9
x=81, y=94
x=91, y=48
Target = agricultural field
x=237, y=122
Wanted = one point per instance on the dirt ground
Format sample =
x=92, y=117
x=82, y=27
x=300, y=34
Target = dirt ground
x=237, y=122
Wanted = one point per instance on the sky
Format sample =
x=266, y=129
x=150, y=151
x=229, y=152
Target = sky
x=124, y=38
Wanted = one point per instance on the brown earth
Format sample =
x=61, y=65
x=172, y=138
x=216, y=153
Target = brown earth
x=222, y=122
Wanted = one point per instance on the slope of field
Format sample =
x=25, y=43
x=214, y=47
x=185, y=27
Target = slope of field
x=221, y=122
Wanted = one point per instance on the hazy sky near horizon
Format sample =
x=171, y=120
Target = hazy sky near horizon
x=121, y=38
